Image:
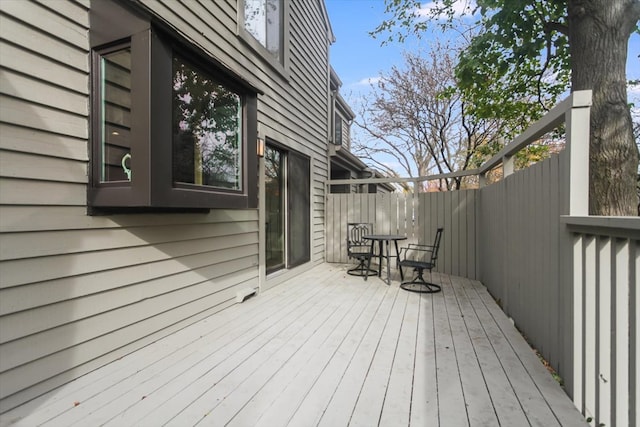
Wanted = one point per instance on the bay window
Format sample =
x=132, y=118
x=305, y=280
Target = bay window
x=171, y=128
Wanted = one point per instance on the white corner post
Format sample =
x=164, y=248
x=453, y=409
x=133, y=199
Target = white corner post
x=578, y=129
x=577, y=121
x=262, y=220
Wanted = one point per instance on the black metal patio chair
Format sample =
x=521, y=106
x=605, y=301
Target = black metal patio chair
x=420, y=258
x=360, y=249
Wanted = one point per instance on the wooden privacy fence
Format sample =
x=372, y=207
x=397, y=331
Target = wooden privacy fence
x=415, y=216
x=569, y=281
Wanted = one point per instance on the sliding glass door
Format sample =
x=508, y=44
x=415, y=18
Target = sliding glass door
x=287, y=202
x=298, y=209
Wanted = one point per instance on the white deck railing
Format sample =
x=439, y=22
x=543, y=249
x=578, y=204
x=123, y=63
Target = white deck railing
x=568, y=280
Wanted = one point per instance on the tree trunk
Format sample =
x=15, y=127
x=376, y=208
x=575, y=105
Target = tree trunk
x=599, y=32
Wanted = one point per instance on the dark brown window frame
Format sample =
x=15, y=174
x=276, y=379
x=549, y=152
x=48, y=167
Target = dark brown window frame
x=151, y=187
x=282, y=65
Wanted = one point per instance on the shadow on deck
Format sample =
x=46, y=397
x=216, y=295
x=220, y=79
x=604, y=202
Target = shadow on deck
x=325, y=349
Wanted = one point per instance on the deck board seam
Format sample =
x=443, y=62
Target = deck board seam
x=358, y=351
x=331, y=360
x=246, y=408
x=321, y=305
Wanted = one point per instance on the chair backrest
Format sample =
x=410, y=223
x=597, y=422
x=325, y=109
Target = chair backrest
x=421, y=254
x=356, y=232
x=436, y=245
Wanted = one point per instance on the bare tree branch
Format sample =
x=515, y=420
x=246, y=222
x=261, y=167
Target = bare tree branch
x=416, y=118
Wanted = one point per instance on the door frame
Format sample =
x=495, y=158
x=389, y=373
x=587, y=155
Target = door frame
x=276, y=277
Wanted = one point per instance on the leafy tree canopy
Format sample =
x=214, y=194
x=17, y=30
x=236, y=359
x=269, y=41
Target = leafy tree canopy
x=526, y=53
x=515, y=67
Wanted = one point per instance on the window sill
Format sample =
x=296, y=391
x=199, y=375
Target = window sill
x=264, y=55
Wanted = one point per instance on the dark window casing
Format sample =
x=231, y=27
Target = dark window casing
x=151, y=185
x=274, y=51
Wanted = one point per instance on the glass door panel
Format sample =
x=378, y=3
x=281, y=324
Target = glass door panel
x=299, y=235
x=275, y=208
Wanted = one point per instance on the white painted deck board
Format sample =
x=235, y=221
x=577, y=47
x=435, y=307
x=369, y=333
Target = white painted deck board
x=324, y=349
x=374, y=390
x=450, y=396
x=344, y=399
x=503, y=400
x=285, y=378
x=424, y=401
x=480, y=411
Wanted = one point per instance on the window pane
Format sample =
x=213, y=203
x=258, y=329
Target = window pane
x=273, y=29
x=115, y=111
x=298, y=175
x=263, y=20
x=207, y=139
x=338, y=130
x=255, y=19
x=275, y=207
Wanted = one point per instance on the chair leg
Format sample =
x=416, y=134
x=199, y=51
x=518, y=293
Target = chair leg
x=420, y=285
x=369, y=264
x=398, y=261
x=362, y=269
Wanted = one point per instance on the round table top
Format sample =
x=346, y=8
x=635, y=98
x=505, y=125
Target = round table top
x=384, y=237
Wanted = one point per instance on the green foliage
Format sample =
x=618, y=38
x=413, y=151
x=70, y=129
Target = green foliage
x=527, y=156
x=516, y=65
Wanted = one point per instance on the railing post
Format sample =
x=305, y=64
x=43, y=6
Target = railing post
x=482, y=180
x=578, y=129
x=508, y=162
x=576, y=203
x=508, y=166
x=415, y=211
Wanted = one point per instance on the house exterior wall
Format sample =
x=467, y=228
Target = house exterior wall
x=78, y=291
x=345, y=131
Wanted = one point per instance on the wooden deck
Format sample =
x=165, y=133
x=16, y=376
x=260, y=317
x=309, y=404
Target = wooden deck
x=325, y=349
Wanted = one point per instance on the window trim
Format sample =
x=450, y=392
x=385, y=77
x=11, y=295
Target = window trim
x=337, y=129
x=151, y=187
x=282, y=67
x=134, y=193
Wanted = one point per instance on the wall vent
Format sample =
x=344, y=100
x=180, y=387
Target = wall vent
x=245, y=294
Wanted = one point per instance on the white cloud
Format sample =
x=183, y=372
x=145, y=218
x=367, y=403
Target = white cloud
x=368, y=81
x=460, y=7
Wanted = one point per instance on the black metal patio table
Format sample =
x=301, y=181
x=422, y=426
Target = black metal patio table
x=381, y=239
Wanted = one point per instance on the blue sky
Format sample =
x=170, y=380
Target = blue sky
x=357, y=57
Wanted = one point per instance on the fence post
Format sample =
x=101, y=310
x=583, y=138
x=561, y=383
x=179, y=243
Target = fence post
x=577, y=120
x=578, y=129
x=482, y=180
x=508, y=162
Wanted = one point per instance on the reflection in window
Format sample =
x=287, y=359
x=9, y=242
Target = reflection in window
x=263, y=20
x=207, y=140
x=338, y=129
x=275, y=208
x=115, y=112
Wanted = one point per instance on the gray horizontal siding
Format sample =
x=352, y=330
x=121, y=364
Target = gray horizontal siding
x=42, y=143
x=78, y=291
